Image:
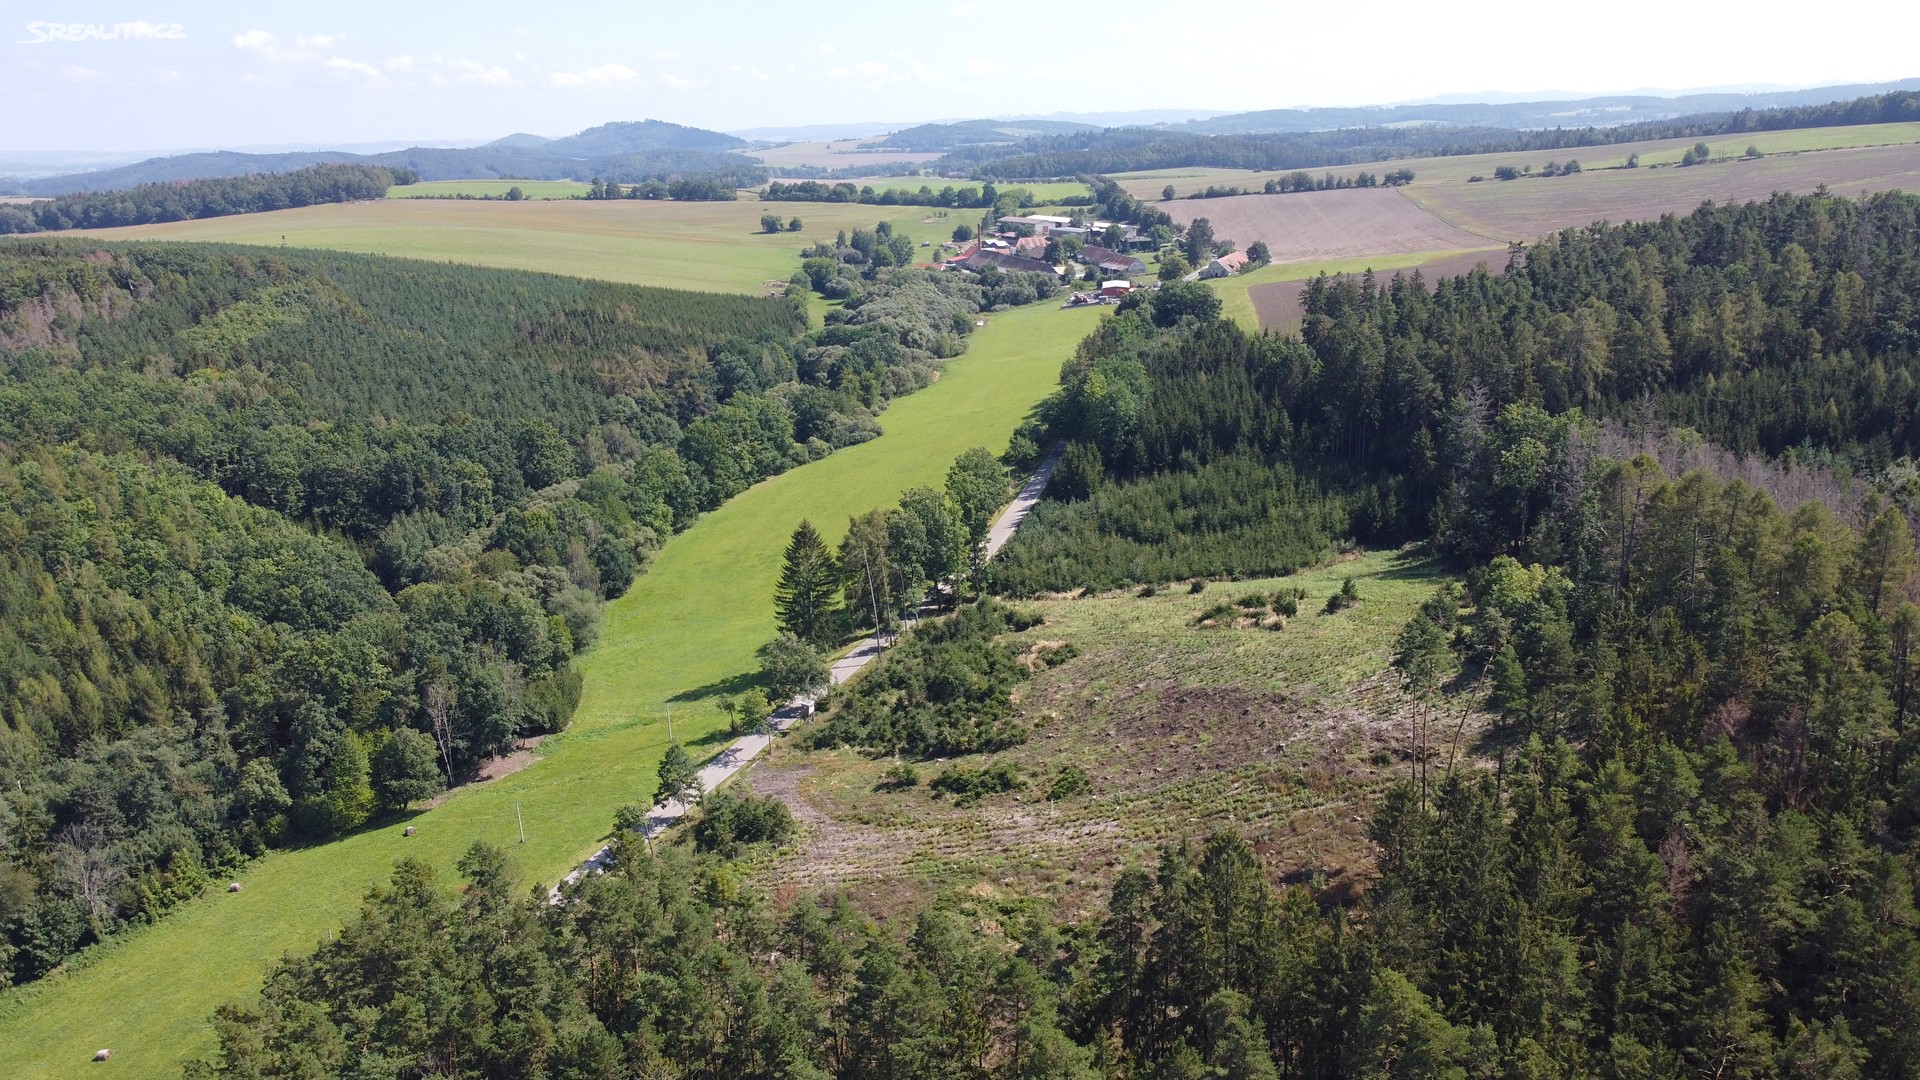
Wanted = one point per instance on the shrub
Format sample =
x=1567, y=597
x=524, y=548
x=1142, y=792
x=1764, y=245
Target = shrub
x=1071, y=781
x=968, y=786
x=943, y=691
x=1345, y=598
x=729, y=821
x=1197, y=587
x=899, y=776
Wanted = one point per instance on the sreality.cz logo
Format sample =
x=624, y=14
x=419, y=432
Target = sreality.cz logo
x=39, y=33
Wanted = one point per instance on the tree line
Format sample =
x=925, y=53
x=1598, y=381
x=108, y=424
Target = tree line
x=1116, y=150
x=152, y=203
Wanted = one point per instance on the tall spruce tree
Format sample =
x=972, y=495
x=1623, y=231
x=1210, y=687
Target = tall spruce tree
x=806, y=598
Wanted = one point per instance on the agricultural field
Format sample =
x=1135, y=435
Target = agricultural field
x=1445, y=224
x=712, y=246
x=1181, y=728
x=1148, y=184
x=1316, y=225
x=1528, y=208
x=532, y=189
x=686, y=631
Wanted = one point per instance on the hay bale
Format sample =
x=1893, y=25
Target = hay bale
x=409, y=831
x=102, y=1055
x=233, y=887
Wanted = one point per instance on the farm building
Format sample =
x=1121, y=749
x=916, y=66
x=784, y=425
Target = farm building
x=1041, y=224
x=1030, y=247
x=1225, y=266
x=980, y=260
x=1117, y=287
x=1111, y=261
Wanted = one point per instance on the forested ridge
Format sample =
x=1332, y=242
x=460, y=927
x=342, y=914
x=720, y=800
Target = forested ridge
x=296, y=538
x=183, y=200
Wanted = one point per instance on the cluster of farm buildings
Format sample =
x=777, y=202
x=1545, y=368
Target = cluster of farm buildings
x=1020, y=243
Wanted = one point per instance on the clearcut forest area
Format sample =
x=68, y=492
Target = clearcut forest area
x=1471, y=626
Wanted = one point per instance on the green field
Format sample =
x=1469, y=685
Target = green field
x=532, y=189
x=691, y=623
x=713, y=246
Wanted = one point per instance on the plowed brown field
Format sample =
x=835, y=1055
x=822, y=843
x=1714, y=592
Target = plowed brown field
x=1315, y=225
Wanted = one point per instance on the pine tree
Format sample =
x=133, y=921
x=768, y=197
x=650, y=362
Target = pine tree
x=805, y=599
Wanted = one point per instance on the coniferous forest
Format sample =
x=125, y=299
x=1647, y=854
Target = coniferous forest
x=1673, y=465
x=294, y=539
x=218, y=197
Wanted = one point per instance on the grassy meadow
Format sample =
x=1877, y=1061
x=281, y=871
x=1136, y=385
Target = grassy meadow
x=711, y=246
x=688, y=627
x=1182, y=729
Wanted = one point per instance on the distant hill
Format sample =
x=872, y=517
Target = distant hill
x=629, y=152
x=639, y=137
x=519, y=140
x=928, y=138
x=1608, y=111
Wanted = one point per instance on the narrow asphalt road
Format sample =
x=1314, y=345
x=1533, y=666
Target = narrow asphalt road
x=743, y=750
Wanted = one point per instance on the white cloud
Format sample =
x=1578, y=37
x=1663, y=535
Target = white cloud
x=675, y=81
x=400, y=63
x=604, y=75
x=981, y=65
x=356, y=67
x=258, y=41
x=319, y=41
x=666, y=54
x=825, y=47
x=870, y=68
x=476, y=73
x=76, y=73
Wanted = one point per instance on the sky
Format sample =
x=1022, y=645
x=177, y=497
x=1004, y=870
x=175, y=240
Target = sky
x=179, y=74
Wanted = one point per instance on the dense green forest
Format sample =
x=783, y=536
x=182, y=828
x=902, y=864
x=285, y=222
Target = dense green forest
x=297, y=538
x=180, y=201
x=1114, y=150
x=1685, y=849
x=1785, y=328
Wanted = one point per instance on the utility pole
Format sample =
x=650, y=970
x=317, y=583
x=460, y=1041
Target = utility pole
x=669, y=723
x=521, y=822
